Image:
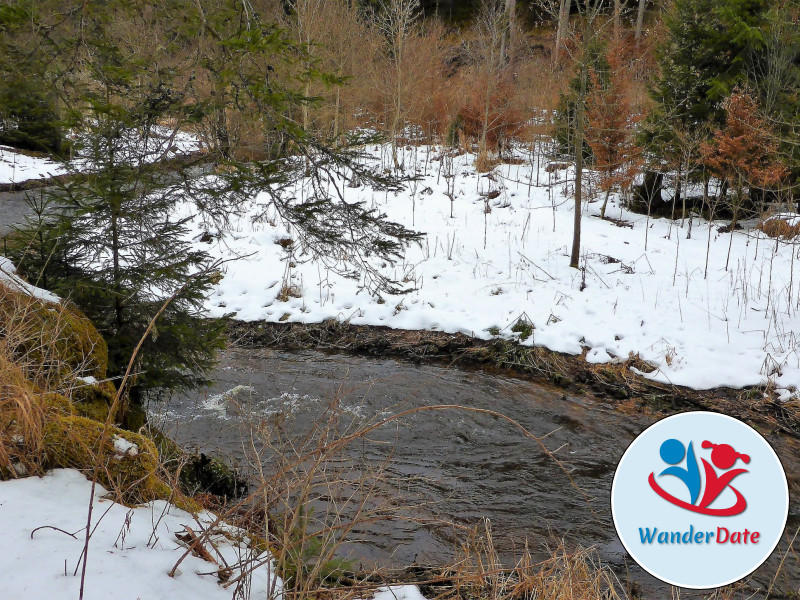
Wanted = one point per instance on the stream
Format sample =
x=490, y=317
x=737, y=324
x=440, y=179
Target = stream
x=438, y=472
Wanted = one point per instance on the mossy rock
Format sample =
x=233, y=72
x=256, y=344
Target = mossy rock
x=200, y=474
x=57, y=335
x=94, y=400
x=205, y=474
x=75, y=442
x=56, y=405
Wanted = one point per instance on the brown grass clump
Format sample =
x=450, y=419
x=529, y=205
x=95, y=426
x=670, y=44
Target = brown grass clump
x=578, y=575
x=21, y=422
x=485, y=163
x=289, y=291
x=50, y=416
x=779, y=228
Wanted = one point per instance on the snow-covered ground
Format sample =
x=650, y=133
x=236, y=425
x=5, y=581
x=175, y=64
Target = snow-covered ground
x=641, y=290
x=131, y=551
x=18, y=167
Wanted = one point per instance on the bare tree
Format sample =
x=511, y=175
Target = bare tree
x=396, y=20
x=640, y=19
x=492, y=27
x=306, y=24
x=589, y=12
x=563, y=20
x=510, y=10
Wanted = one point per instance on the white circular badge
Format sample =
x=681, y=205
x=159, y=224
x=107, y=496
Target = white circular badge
x=700, y=500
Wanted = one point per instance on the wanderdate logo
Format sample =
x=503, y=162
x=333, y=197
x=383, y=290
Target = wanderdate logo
x=700, y=500
x=723, y=457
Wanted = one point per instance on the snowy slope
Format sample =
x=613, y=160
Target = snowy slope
x=479, y=272
x=131, y=552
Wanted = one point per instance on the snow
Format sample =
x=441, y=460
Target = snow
x=131, y=551
x=399, y=592
x=9, y=277
x=18, y=166
x=123, y=447
x=480, y=272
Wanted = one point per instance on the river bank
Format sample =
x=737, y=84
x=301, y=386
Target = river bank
x=620, y=383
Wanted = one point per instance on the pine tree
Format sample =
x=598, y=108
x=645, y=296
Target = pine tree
x=114, y=241
x=707, y=51
x=28, y=115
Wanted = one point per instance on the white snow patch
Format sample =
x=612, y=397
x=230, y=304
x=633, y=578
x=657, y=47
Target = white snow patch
x=124, y=447
x=131, y=551
x=8, y=275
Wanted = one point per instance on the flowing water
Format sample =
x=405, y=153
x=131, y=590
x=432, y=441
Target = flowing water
x=437, y=471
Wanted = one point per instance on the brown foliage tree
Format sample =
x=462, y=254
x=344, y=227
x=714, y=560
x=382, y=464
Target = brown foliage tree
x=610, y=124
x=744, y=152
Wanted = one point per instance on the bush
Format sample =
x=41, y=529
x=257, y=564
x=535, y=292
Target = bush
x=503, y=121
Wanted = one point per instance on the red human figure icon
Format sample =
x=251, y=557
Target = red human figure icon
x=724, y=457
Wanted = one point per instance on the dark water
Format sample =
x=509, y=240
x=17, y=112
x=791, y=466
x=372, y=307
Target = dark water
x=437, y=472
x=13, y=209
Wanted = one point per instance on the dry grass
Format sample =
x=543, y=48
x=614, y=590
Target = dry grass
x=45, y=350
x=22, y=418
x=779, y=228
x=289, y=291
x=575, y=575
x=31, y=364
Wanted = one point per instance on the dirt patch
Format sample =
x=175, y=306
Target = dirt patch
x=615, y=382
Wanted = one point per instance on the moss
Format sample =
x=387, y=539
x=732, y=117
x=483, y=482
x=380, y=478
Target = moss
x=56, y=405
x=75, y=442
x=93, y=401
x=51, y=340
x=200, y=474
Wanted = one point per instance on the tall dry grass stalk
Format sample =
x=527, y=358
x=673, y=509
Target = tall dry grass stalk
x=566, y=575
x=38, y=358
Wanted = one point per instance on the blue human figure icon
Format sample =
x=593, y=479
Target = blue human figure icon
x=672, y=453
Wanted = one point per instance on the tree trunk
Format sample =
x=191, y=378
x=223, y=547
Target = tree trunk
x=617, y=18
x=336, y=116
x=640, y=19
x=563, y=21
x=505, y=46
x=574, y=260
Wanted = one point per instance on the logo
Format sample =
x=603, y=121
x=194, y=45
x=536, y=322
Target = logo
x=723, y=457
x=699, y=500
